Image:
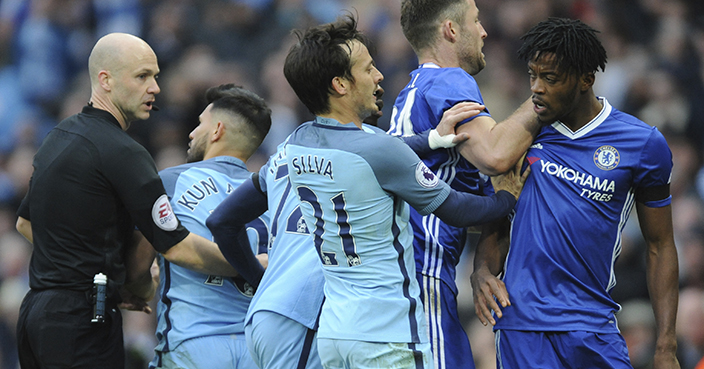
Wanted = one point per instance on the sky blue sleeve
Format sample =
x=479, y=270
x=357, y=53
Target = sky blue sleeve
x=400, y=171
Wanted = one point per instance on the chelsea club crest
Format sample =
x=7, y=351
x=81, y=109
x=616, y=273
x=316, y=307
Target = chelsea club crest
x=606, y=157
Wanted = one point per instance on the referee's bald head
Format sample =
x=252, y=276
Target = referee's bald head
x=116, y=51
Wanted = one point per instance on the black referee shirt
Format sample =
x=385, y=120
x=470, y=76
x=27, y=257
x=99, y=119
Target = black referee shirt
x=92, y=183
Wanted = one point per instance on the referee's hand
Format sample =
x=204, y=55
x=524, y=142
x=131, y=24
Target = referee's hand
x=133, y=303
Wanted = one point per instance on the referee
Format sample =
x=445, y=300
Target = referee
x=92, y=184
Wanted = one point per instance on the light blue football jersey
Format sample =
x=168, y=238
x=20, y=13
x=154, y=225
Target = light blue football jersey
x=193, y=304
x=566, y=232
x=419, y=107
x=292, y=285
x=355, y=186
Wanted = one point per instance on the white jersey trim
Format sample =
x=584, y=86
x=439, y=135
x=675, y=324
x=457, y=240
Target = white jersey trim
x=592, y=125
x=401, y=123
x=625, y=212
x=429, y=65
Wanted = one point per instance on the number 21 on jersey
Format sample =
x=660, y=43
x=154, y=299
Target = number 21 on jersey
x=347, y=246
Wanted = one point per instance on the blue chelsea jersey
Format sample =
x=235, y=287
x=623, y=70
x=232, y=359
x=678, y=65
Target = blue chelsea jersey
x=566, y=232
x=192, y=304
x=419, y=107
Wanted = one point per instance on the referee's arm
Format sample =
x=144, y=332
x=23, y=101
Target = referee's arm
x=24, y=226
x=139, y=258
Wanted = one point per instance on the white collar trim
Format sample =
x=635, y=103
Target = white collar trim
x=592, y=125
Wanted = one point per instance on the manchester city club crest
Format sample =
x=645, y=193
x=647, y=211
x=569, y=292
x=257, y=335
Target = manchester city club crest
x=606, y=157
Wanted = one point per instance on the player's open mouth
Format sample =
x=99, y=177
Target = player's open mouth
x=538, y=104
x=150, y=105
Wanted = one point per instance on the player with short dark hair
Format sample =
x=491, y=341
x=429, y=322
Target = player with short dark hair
x=355, y=184
x=591, y=164
x=200, y=317
x=447, y=36
x=282, y=320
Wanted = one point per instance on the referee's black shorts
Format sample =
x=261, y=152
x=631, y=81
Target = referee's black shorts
x=54, y=331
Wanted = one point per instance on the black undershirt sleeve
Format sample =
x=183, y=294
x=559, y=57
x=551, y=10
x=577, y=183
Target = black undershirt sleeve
x=418, y=143
x=228, y=222
x=462, y=209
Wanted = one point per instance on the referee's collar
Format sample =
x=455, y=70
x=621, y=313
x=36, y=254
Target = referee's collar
x=90, y=110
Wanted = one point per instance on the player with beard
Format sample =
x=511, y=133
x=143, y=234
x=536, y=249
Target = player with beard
x=282, y=321
x=355, y=185
x=200, y=316
x=447, y=37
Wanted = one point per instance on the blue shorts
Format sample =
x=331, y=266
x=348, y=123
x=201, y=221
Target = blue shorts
x=524, y=349
x=448, y=340
x=349, y=354
x=222, y=351
x=277, y=342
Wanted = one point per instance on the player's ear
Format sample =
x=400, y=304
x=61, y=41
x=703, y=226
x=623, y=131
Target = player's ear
x=105, y=80
x=449, y=30
x=340, y=85
x=586, y=81
x=218, y=132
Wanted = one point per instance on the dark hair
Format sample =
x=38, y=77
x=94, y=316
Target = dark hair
x=244, y=103
x=421, y=18
x=574, y=44
x=321, y=54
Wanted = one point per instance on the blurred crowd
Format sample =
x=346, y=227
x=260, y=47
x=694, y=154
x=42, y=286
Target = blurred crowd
x=655, y=71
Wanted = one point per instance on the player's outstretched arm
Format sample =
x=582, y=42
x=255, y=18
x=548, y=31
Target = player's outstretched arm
x=196, y=253
x=495, y=147
x=662, y=277
x=462, y=209
x=444, y=135
x=228, y=222
x=489, y=259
